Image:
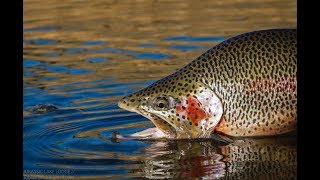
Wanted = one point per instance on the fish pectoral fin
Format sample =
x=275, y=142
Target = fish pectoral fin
x=222, y=139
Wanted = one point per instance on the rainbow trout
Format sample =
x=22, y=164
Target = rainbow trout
x=244, y=86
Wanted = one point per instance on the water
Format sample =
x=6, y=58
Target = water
x=83, y=56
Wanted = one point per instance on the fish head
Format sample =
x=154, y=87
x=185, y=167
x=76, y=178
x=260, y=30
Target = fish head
x=181, y=109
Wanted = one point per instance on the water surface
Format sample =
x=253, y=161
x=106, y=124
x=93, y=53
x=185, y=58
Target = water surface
x=83, y=56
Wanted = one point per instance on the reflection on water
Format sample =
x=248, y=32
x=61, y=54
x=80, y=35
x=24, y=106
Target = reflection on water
x=243, y=159
x=82, y=56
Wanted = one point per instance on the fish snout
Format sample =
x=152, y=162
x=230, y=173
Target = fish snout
x=122, y=104
x=129, y=104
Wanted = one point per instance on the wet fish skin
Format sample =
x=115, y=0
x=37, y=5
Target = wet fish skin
x=244, y=86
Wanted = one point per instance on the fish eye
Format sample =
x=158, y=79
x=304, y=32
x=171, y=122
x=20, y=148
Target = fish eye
x=162, y=103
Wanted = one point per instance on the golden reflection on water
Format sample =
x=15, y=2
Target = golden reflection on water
x=125, y=24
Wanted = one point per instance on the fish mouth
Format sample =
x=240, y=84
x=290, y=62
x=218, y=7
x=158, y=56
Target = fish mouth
x=159, y=122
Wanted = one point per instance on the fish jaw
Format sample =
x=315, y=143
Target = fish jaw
x=150, y=133
x=161, y=124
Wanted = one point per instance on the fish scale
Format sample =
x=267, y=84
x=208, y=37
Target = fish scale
x=251, y=77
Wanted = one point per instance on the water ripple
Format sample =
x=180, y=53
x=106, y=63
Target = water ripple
x=47, y=28
x=41, y=41
x=186, y=47
x=193, y=39
x=93, y=43
x=96, y=59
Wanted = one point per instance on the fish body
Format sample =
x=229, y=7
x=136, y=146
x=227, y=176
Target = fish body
x=244, y=86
